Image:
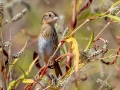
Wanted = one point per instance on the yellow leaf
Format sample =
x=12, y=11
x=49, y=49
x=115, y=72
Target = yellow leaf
x=75, y=51
x=32, y=64
x=22, y=77
x=28, y=81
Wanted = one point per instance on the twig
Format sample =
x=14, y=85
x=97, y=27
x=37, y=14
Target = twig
x=9, y=54
x=78, y=28
x=103, y=29
x=64, y=55
x=86, y=6
x=106, y=79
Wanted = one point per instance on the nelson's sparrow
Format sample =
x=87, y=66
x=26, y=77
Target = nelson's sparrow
x=48, y=40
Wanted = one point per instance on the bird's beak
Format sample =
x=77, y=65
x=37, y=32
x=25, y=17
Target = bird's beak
x=56, y=18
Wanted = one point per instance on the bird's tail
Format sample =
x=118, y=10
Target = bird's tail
x=57, y=69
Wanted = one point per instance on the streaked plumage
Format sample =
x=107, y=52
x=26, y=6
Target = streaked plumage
x=48, y=39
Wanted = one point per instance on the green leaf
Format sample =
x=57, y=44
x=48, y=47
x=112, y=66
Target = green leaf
x=116, y=18
x=11, y=85
x=11, y=66
x=15, y=83
x=90, y=42
x=22, y=77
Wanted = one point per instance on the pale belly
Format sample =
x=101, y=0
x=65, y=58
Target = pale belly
x=45, y=48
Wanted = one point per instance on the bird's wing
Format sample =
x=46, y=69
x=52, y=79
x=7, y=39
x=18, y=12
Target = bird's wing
x=55, y=41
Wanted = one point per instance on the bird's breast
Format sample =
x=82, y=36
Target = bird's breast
x=47, y=31
x=45, y=46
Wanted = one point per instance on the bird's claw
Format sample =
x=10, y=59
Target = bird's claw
x=51, y=63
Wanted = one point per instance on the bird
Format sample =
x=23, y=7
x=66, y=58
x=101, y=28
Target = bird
x=48, y=41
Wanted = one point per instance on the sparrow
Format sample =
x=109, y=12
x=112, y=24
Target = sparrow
x=48, y=40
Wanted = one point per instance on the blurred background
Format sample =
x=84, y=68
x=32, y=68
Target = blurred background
x=31, y=23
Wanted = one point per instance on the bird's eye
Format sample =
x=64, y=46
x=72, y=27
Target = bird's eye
x=50, y=15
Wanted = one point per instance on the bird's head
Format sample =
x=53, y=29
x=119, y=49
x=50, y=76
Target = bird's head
x=50, y=18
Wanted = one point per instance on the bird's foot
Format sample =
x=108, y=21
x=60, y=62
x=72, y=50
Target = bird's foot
x=51, y=63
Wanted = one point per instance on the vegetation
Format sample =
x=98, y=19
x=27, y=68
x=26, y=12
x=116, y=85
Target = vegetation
x=89, y=43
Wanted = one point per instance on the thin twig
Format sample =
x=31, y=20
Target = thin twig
x=78, y=28
x=106, y=79
x=9, y=55
x=102, y=30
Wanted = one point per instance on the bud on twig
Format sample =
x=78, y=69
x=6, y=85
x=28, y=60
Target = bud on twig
x=19, y=15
